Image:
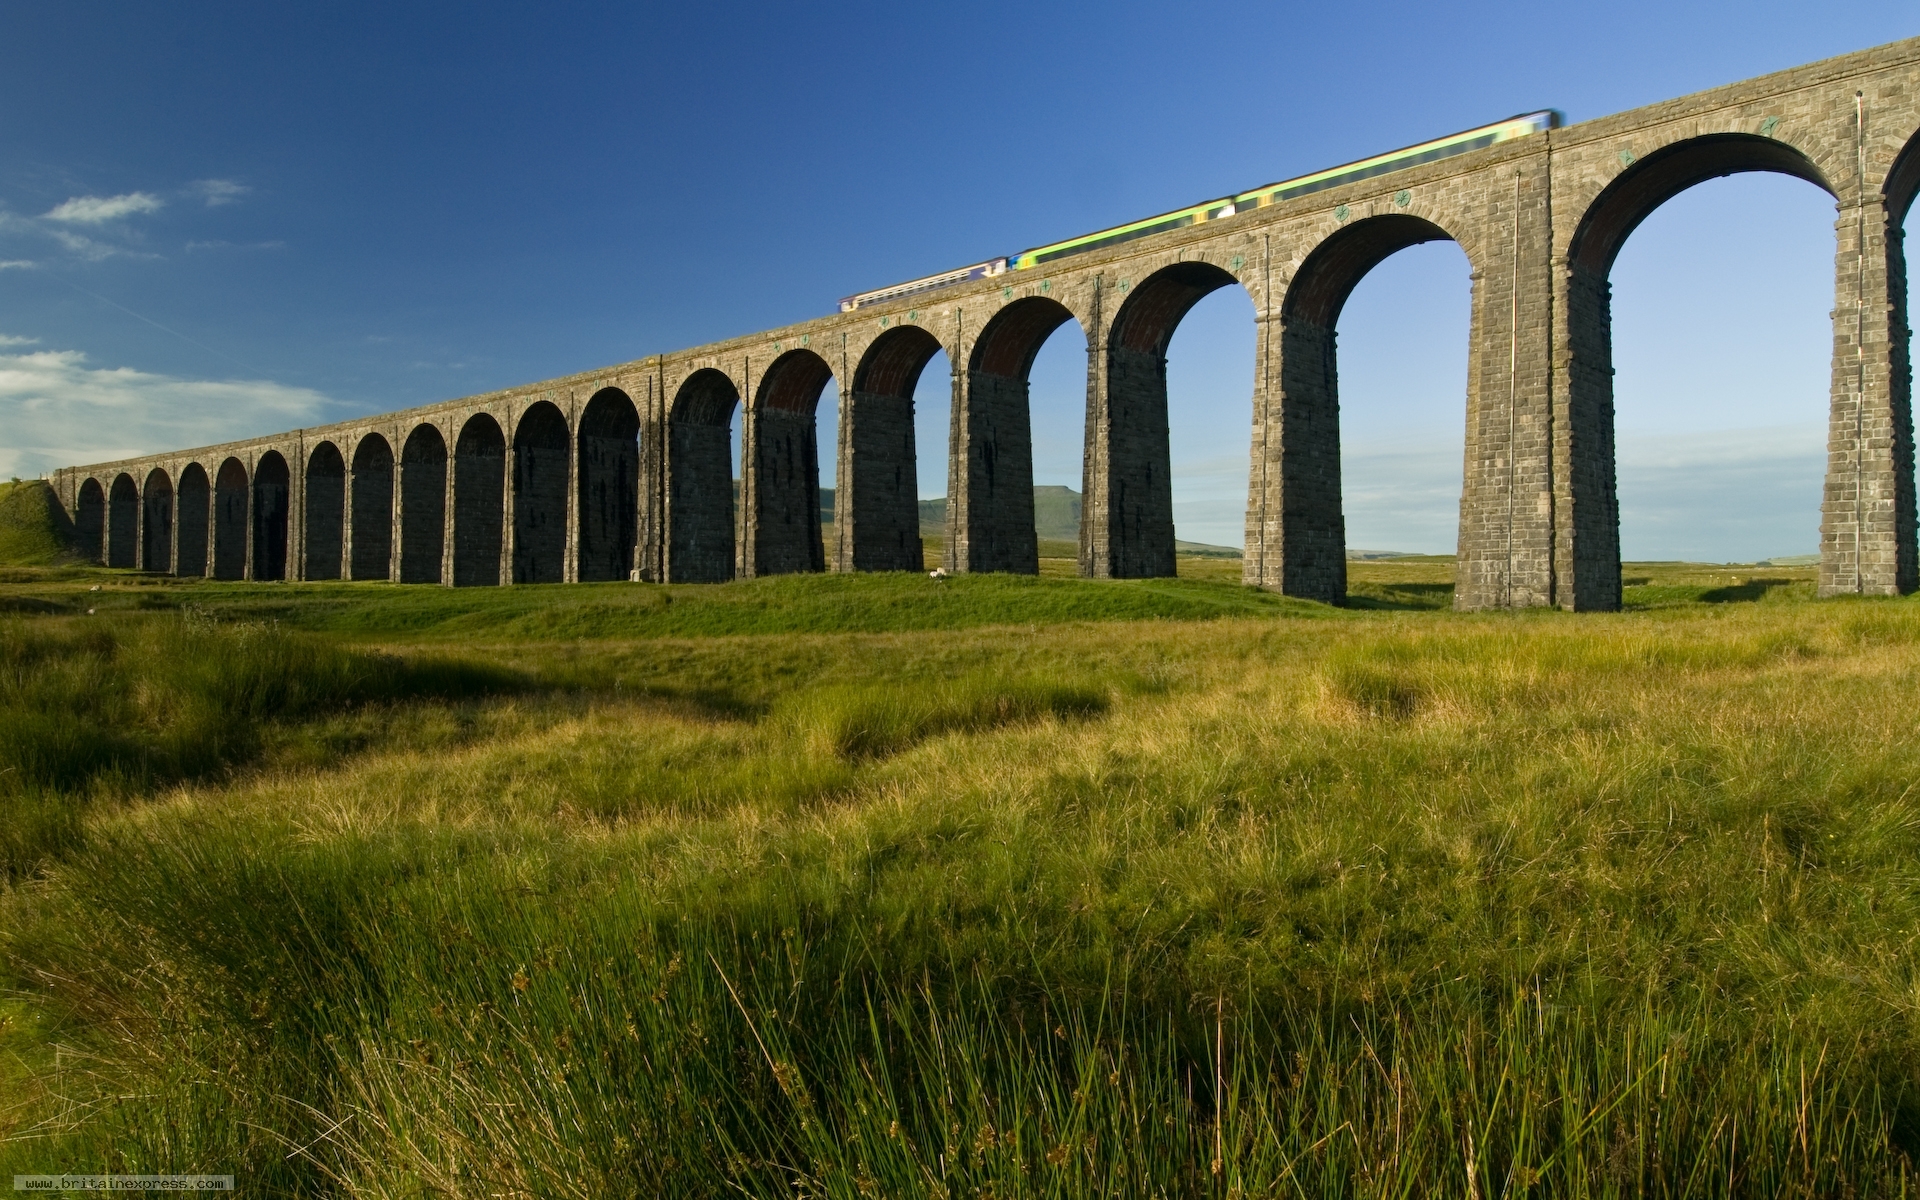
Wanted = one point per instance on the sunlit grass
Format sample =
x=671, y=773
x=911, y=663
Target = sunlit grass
x=1377, y=902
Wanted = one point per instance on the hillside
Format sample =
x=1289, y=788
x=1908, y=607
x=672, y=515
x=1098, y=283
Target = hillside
x=33, y=531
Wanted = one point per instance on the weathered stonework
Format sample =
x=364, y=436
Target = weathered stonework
x=628, y=471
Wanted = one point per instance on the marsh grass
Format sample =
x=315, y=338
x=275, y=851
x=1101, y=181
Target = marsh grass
x=1367, y=904
x=98, y=709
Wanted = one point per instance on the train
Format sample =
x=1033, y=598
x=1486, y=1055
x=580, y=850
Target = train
x=1519, y=126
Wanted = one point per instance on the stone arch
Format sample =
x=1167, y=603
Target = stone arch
x=271, y=487
x=372, y=508
x=877, y=486
x=230, y=494
x=326, y=512
x=90, y=521
x=479, y=502
x=123, y=522
x=780, y=472
x=609, y=496
x=1603, y=228
x=193, y=513
x=540, y=472
x=423, y=504
x=1127, y=528
x=1303, y=420
x=990, y=458
x=1651, y=181
x=700, y=479
x=156, y=522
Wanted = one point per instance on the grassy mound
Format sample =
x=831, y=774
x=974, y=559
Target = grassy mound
x=812, y=603
x=31, y=527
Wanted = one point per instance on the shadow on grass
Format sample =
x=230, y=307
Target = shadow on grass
x=1751, y=590
x=1402, y=597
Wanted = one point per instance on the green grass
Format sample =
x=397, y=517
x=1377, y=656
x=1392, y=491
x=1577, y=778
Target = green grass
x=782, y=604
x=29, y=530
x=1050, y=893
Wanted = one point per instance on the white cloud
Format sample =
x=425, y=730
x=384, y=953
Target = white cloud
x=85, y=247
x=56, y=411
x=17, y=264
x=218, y=191
x=96, y=210
x=221, y=245
x=8, y=340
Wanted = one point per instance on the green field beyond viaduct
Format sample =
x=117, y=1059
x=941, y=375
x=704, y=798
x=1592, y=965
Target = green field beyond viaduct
x=891, y=886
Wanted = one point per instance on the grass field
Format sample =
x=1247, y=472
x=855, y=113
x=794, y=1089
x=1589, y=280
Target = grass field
x=888, y=886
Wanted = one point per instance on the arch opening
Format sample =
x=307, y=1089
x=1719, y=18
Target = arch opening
x=326, y=512
x=1722, y=346
x=540, y=474
x=271, y=480
x=781, y=487
x=1127, y=530
x=479, y=502
x=193, y=519
x=700, y=512
x=372, y=509
x=230, y=492
x=423, y=505
x=156, y=523
x=123, y=522
x=1297, y=476
x=1403, y=342
x=1211, y=368
x=877, y=486
x=609, y=500
x=1593, y=570
x=990, y=475
x=90, y=522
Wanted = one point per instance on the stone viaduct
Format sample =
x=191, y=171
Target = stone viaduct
x=627, y=472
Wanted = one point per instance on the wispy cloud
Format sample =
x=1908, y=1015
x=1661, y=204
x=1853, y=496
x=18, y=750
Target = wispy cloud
x=58, y=411
x=6, y=340
x=17, y=264
x=97, y=210
x=216, y=244
x=218, y=191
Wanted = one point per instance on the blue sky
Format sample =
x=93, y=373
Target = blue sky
x=218, y=220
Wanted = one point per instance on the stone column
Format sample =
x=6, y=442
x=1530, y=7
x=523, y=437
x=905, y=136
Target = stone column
x=348, y=445
x=395, y=437
x=296, y=568
x=570, y=552
x=173, y=537
x=253, y=504
x=139, y=562
x=509, y=497
x=1126, y=524
x=447, y=494
x=990, y=475
x=1867, y=510
x=1296, y=530
x=650, y=553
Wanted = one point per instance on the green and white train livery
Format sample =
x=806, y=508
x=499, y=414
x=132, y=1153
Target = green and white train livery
x=1229, y=206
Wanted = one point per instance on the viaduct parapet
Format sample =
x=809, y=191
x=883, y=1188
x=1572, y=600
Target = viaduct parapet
x=627, y=472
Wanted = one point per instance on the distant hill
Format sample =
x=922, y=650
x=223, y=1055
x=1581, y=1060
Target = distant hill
x=33, y=530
